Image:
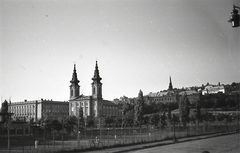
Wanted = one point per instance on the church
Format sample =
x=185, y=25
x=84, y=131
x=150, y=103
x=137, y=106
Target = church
x=92, y=105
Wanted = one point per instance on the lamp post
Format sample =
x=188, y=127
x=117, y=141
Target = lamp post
x=234, y=18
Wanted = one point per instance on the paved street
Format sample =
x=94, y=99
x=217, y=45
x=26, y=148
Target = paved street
x=222, y=144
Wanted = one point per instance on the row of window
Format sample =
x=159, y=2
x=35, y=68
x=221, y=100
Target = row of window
x=162, y=99
x=82, y=104
x=110, y=107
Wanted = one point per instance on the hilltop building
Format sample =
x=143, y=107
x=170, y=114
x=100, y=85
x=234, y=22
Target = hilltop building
x=213, y=89
x=163, y=96
x=93, y=105
x=37, y=109
x=170, y=96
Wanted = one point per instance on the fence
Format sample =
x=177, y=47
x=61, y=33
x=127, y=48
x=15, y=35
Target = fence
x=109, y=137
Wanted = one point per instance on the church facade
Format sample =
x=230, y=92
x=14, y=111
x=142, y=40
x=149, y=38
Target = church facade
x=92, y=105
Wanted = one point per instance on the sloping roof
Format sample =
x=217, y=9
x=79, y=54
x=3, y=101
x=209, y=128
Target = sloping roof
x=159, y=94
x=189, y=92
x=81, y=97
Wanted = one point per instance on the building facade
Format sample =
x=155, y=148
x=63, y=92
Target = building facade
x=93, y=105
x=38, y=109
x=213, y=89
x=168, y=96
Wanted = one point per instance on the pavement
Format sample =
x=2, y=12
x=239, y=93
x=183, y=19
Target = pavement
x=122, y=149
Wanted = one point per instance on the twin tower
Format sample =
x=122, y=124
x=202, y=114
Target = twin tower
x=96, y=85
x=90, y=105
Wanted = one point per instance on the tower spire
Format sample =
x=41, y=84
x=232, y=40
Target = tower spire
x=170, y=87
x=74, y=75
x=96, y=77
x=74, y=87
x=97, y=92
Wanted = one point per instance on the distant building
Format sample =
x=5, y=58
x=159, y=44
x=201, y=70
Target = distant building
x=37, y=109
x=93, y=105
x=168, y=96
x=162, y=97
x=213, y=89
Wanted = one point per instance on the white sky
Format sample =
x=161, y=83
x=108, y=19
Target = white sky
x=138, y=45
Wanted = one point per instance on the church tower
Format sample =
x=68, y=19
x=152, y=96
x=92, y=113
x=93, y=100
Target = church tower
x=97, y=92
x=170, y=87
x=96, y=84
x=74, y=87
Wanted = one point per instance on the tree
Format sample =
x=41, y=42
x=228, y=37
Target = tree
x=45, y=124
x=90, y=123
x=129, y=118
x=69, y=123
x=56, y=125
x=4, y=108
x=154, y=119
x=138, y=110
x=127, y=107
x=184, y=109
x=108, y=121
x=4, y=111
x=163, y=119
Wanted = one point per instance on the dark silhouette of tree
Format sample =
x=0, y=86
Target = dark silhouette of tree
x=184, y=109
x=129, y=118
x=154, y=119
x=163, y=119
x=4, y=108
x=90, y=123
x=45, y=124
x=127, y=107
x=56, y=125
x=139, y=110
x=108, y=121
x=4, y=111
x=69, y=123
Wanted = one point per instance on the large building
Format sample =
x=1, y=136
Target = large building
x=168, y=96
x=38, y=109
x=93, y=105
x=213, y=89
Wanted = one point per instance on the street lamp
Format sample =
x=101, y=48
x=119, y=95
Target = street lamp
x=234, y=18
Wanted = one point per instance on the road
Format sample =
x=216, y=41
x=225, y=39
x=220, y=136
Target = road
x=222, y=144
